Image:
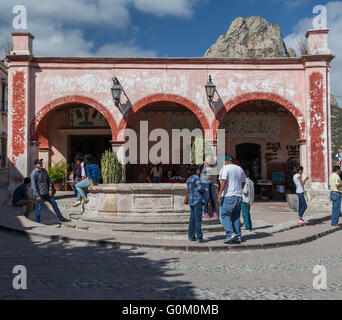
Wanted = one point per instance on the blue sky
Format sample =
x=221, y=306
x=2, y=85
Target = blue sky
x=170, y=36
x=164, y=28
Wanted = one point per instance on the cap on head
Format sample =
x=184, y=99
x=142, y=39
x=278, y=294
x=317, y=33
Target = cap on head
x=228, y=158
x=38, y=161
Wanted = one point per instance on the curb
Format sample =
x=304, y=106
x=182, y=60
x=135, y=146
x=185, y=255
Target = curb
x=184, y=248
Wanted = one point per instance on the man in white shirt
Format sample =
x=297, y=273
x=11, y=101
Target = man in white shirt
x=232, y=179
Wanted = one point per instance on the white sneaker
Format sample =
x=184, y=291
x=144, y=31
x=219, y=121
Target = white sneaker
x=77, y=203
x=85, y=201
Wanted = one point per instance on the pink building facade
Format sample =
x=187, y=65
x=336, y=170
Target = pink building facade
x=272, y=110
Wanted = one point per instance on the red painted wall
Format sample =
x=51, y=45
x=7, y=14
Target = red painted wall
x=18, y=121
x=317, y=121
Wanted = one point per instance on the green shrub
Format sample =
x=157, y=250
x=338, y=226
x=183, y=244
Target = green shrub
x=198, y=151
x=58, y=172
x=111, y=168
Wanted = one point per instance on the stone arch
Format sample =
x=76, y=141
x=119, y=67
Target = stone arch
x=162, y=98
x=298, y=115
x=61, y=102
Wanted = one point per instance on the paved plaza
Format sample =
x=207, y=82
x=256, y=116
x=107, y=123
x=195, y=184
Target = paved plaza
x=69, y=271
x=70, y=264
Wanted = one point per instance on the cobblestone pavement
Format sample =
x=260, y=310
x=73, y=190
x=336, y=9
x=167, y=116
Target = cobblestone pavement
x=65, y=271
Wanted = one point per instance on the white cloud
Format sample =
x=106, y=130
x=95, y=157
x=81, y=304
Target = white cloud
x=58, y=26
x=123, y=50
x=334, y=10
x=181, y=8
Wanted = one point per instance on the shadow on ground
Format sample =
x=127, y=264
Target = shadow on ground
x=61, y=271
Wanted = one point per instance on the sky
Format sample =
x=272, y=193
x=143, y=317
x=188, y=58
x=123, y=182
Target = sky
x=162, y=28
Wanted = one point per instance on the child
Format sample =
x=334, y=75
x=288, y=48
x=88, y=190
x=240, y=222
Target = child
x=247, y=200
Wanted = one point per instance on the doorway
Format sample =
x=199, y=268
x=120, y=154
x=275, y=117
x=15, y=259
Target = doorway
x=94, y=145
x=249, y=156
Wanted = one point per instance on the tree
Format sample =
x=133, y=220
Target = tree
x=6, y=44
x=199, y=149
x=303, y=47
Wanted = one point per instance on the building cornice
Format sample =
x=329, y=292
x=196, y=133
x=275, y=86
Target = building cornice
x=209, y=61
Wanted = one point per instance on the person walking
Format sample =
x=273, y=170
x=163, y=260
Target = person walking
x=208, y=184
x=335, y=185
x=43, y=190
x=195, y=198
x=232, y=179
x=90, y=177
x=21, y=198
x=300, y=183
x=247, y=200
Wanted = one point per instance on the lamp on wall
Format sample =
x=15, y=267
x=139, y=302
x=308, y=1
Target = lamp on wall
x=210, y=89
x=116, y=91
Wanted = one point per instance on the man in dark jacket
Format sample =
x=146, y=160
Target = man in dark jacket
x=43, y=190
x=21, y=198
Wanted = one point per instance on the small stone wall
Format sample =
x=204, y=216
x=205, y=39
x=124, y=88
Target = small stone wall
x=137, y=200
x=316, y=199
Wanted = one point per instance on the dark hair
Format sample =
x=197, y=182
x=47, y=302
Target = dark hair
x=27, y=180
x=246, y=172
x=336, y=168
x=300, y=168
x=193, y=169
x=79, y=159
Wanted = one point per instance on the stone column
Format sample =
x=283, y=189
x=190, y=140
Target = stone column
x=116, y=144
x=318, y=92
x=19, y=111
x=303, y=155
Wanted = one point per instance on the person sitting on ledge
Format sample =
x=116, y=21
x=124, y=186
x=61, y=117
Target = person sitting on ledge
x=21, y=198
x=90, y=177
x=156, y=173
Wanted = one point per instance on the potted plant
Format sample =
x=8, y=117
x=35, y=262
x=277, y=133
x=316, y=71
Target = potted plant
x=111, y=168
x=57, y=174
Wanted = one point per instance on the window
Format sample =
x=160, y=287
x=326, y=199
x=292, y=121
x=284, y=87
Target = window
x=3, y=152
x=3, y=97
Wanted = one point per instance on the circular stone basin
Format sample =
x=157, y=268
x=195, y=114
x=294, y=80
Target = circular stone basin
x=138, y=199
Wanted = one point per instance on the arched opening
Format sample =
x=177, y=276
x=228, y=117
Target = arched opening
x=249, y=156
x=71, y=129
x=163, y=116
x=263, y=137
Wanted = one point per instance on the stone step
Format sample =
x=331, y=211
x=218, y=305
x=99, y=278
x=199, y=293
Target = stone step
x=169, y=227
x=138, y=220
x=11, y=220
x=139, y=228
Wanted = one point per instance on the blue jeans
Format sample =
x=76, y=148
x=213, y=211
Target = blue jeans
x=302, y=206
x=51, y=200
x=156, y=179
x=336, y=207
x=230, y=211
x=75, y=190
x=246, y=216
x=195, y=222
x=209, y=195
x=79, y=188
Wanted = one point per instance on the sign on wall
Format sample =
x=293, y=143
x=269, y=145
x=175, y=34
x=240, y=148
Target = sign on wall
x=243, y=126
x=81, y=117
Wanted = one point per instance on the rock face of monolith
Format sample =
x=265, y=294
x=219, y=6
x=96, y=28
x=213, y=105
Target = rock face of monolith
x=252, y=37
